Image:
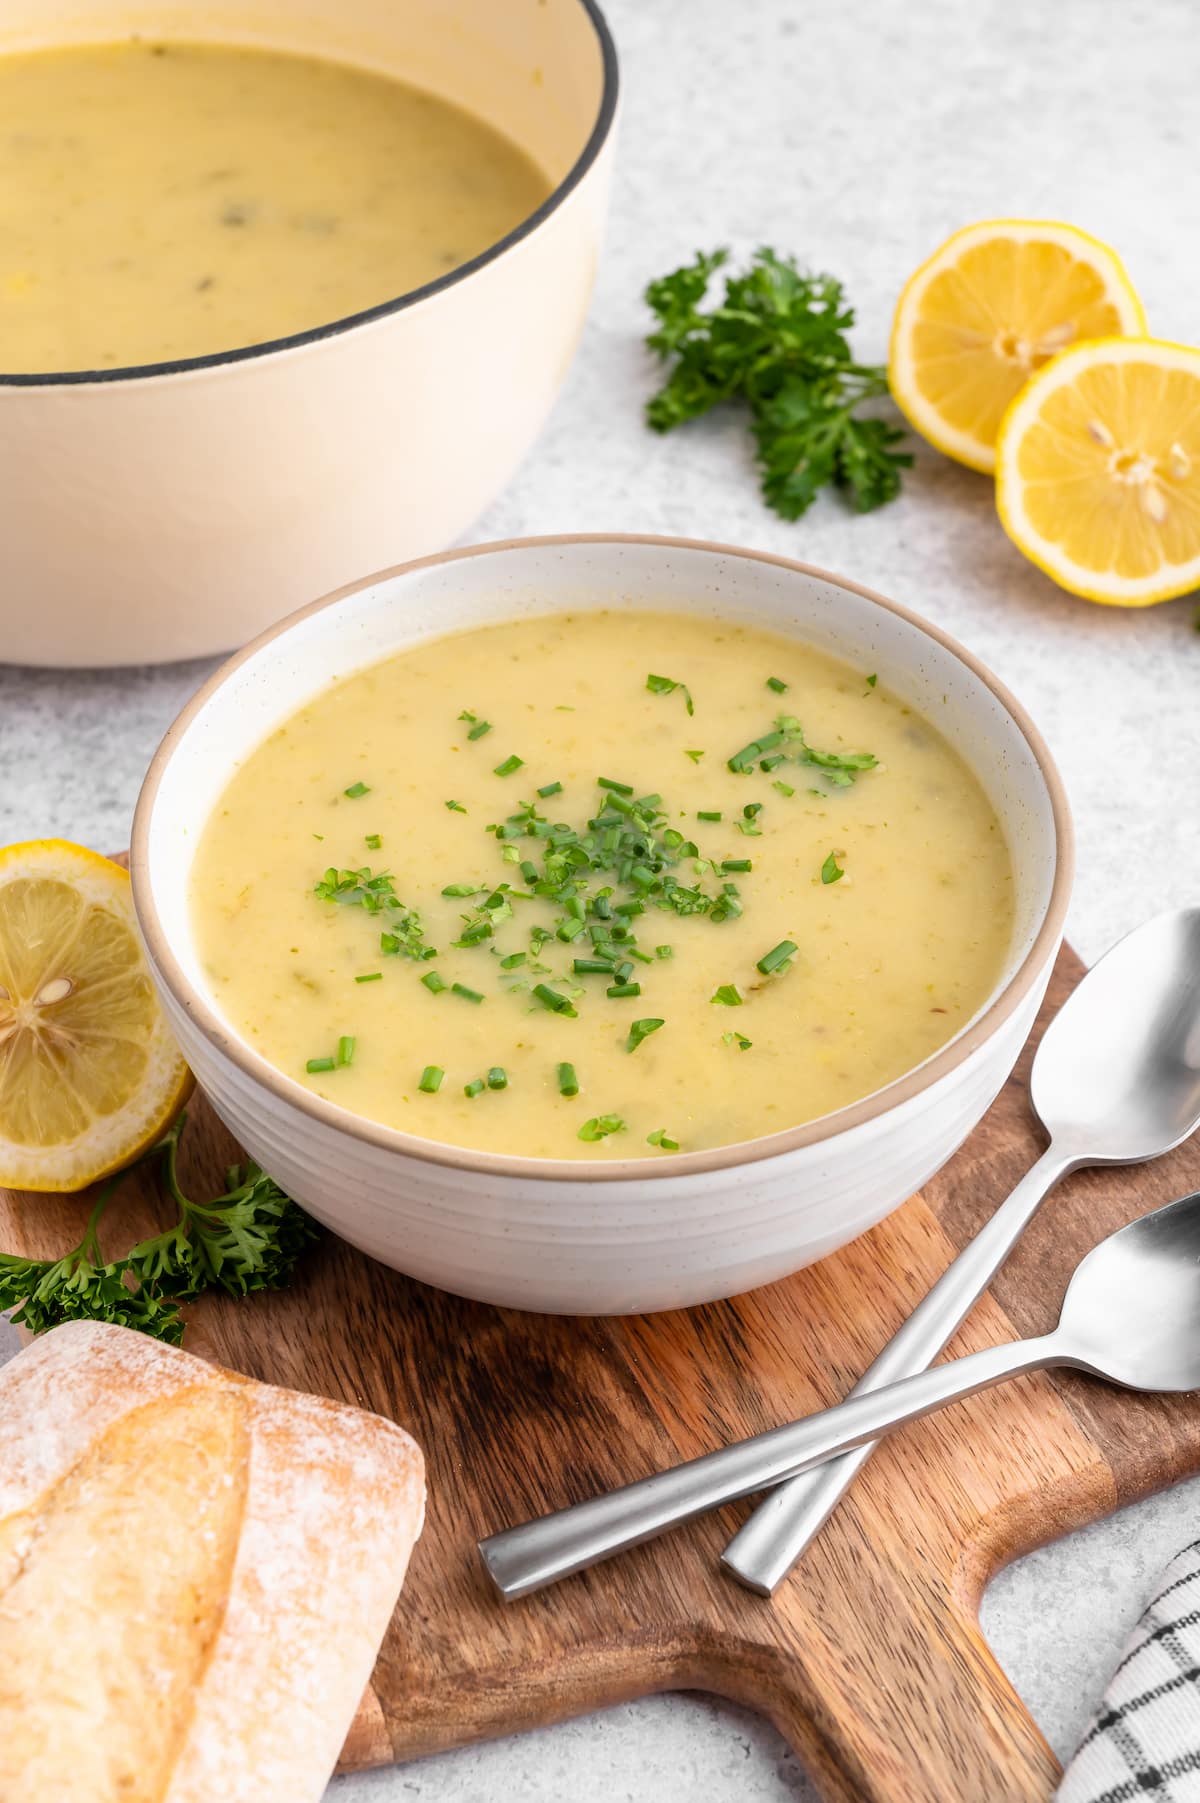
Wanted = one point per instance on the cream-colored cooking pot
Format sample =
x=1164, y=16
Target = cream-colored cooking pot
x=174, y=510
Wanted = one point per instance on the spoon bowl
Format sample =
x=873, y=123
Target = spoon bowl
x=1116, y=1079
x=1131, y=1313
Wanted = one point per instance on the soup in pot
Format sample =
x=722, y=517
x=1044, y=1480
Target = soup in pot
x=170, y=200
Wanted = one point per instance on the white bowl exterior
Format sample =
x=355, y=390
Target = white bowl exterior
x=608, y=1248
x=175, y=515
x=561, y=1244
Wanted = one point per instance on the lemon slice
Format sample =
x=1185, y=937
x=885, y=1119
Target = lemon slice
x=995, y=303
x=89, y=1073
x=1098, y=470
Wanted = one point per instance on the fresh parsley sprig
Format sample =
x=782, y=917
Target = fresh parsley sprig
x=778, y=341
x=247, y=1239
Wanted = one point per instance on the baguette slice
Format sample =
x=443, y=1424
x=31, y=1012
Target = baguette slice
x=196, y=1572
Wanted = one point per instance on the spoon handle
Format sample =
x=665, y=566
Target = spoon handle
x=540, y=1552
x=771, y=1540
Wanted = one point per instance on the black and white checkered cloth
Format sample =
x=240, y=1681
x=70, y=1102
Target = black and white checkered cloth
x=1144, y=1740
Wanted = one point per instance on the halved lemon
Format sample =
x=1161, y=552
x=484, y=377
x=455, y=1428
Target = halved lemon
x=1098, y=470
x=987, y=310
x=89, y=1073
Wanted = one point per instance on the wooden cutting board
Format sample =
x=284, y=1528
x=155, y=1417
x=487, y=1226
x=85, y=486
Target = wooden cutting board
x=870, y=1659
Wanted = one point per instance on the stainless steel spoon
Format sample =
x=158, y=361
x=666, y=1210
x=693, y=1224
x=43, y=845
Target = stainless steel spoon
x=1116, y=1080
x=1131, y=1314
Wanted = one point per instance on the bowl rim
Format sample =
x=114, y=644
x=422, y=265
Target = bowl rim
x=258, y=1070
x=597, y=138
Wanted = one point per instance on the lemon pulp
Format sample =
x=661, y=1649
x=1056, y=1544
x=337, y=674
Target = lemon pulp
x=992, y=305
x=89, y=1074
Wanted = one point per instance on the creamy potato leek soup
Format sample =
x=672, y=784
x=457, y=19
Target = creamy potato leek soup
x=164, y=200
x=599, y=885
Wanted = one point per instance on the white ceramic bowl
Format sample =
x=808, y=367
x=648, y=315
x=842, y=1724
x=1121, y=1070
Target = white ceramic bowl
x=608, y=1238
x=176, y=509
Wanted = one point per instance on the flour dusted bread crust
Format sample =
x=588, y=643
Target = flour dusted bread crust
x=196, y=1572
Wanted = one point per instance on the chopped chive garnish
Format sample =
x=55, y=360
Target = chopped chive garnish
x=550, y=789
x=513, y=959
x=729, y=995
x=841, y=767
x=641, y=1029
x=345, y=1051
x=468, y=995
x=497, y=1077
x=600, y=1126
x=694, y=755
x=550, y=998
x=374, y=842
x=614, y=788
x=320, y=1064
x=664, y=951
x=831, y=870
x=374, y=894
x=319, y=836
x=431, y=1079
x=744, y=760
x=708, y=814
x=456, y=807
x=663, y=685
x=619, y=991
x=461, y=889
x=512, y=762
x=752, y=809
x=568, y=1082
x=371, y=976
x=662, y=1139
x=433, y=982
x=738, y=1039
x=773, y=682
x=730, y=864
x=776, y=957
x=474, y=1088
x=478, y=727
x=784, y=788
x=586, y=967
x=871, y=681
x=355, y=790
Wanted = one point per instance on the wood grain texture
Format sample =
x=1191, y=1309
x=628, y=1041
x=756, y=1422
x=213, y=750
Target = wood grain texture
x=870, y=1659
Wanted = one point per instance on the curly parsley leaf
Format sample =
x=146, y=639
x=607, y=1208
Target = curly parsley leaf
x=778, y=341
x=247, y=1239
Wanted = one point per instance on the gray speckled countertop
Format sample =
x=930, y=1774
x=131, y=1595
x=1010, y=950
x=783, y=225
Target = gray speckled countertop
x=856, y=135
